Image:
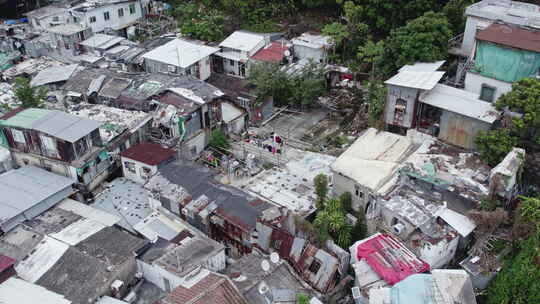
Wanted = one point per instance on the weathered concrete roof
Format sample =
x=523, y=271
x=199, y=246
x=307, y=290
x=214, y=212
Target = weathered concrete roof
x=53, y=74
x=17, y=291
x=373, y=158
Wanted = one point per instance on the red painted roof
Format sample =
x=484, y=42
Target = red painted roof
x=389, y=258
x=6, y=262
x=274, y=52
x=512, y=36
x=148, y=153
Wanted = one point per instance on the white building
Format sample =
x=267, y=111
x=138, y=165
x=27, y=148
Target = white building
x=311, y=46
x=142, y=161
x=482, y=14
x=236, y=51
x=370, y=162
x=180, y=56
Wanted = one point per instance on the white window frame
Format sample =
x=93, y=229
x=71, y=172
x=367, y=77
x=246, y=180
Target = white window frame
x=121, y=12
x=106, y=16
x=48, y=143
x=132, y=9
x=18, y=136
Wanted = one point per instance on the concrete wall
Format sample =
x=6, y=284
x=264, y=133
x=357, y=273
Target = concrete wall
x=409, y=95
x=474, y=82
x=139, y=176
x=57, y=167
x=472, y=26
x=192, y=148
x=304, y=52
x=153, y=66
x=44, y=23
x=342, y=184
x=440, y=254
x=114, y=21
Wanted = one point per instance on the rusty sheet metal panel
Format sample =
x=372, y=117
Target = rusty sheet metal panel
x=286, y=241
x=296, y=250
x=307, y=258
x=460, y=130
x=323, y=279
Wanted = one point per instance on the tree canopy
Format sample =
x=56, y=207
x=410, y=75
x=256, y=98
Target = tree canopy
x=422, y=39
x=30, y=97
x=199, y=22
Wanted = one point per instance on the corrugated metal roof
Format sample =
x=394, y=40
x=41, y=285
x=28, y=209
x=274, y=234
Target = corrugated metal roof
x=460, y=102
x=243, y=41
x=422, y=67
x=274, y=52
x=181, y=53
x=417, y=80
x=149, y=153
x=17, y=291
x=53, y=74
x=512, y=36
x=463, y=225
x=26, y=187
x=89, y=212
x=102, y=41
x=41, y=259
x=313, y=41
x=78, y=231
x=55, y=123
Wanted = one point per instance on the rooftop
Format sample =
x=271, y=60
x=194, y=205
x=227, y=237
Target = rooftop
x=314, y=41
x=243, y=41
x=114, y=121
x=292, y=186
x=512, y=36
x=17, y=291
x=246, y=273
x=148, y=153
x=460, y=102
x=421, y=75
x=212, y=288
x=67, y=29
x=378, y=153
x=26, y=187
x=46, y=11
x=52, y=122
x=175, y=184
x=274, y=52
x=180, y=52
x=53, y=74
x=6, y=262
x=388, y=258
x=125, y=199
x=514, y=12
x=102, y=41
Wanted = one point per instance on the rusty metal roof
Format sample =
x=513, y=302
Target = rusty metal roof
x=512, y=36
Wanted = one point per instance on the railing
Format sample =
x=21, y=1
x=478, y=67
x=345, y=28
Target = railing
x=455, y=42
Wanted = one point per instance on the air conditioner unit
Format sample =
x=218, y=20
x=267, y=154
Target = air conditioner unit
x=398, y=228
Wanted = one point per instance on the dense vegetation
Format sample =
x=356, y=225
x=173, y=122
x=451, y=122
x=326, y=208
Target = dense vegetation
x=30, y=97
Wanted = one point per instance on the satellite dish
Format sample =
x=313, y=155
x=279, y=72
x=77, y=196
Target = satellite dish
x=287, y=53
x=263, y=288
x=265, y=265
x=274, y=257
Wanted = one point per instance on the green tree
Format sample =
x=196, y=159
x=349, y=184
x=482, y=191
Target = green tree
x=199, y=22
x=302, y=299
x=493, y=145
x=346, y=201
x=371, y=54
x=321, y=189
x=454, y=10
x=359, y=231
x=30, y=97
x=524, y=98
x=307, y=85
x=332, y=222
x=376, y=99
x=219, y=141
x=422, y=39
x=529, y=209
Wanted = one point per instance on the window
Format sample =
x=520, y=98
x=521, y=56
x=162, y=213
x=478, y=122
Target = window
x=145, y=172
x=315, y=266
x=130, y=167
x=18, y=136
x=49, y=145
x=167, y=285
x=76, y=19
x=55, y=19
x=231, y=62
x=106, y=16
x=92, y=19
x=171, y=68
x=132, y=9
x=487, y=93
x=120, y=12
x=357, y=191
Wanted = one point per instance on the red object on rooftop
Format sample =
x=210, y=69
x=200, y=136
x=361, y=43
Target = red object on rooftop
x=274, y=52
x=390, y=259
x=7, y=269
x=511, y=36
x=148, y=153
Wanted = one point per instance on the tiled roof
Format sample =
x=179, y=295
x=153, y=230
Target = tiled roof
x=213, y=289
x=148, y=153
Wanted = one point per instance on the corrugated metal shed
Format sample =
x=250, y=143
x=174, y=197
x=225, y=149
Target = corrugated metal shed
x=55, y=123
x=24, y=188
x=53, y=74
x=17, y=291
x=180, y=52
x=460, y=102
x=417, y=80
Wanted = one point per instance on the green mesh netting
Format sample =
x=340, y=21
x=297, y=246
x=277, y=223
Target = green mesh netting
x=506, y=64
